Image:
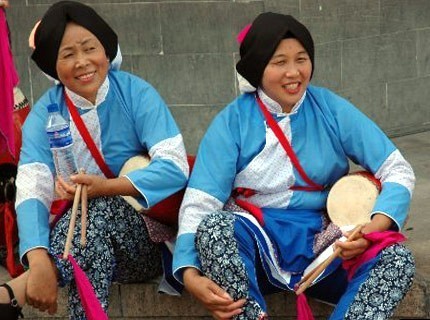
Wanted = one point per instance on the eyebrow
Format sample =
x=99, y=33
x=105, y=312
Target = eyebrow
x=82, y=43
x=282, y=55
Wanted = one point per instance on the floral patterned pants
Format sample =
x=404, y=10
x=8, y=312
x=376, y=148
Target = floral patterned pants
x=118, y=249
x=229, y=256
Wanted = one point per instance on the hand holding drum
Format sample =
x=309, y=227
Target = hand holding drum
x=349, y=204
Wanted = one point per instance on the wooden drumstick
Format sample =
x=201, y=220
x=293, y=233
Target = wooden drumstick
x=72, y=221
x=307, y=280
x=84, y=213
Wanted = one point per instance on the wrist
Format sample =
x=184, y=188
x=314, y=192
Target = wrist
x=38, y=256
x=379, y=223
x=190, y=273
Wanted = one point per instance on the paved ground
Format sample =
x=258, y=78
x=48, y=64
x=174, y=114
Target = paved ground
x=416, y=149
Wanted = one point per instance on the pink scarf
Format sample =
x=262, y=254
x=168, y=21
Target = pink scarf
x=379, y=241
x=90, y=303
x=8, y=80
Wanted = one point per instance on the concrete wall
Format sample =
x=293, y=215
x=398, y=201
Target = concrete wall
x=374, y=52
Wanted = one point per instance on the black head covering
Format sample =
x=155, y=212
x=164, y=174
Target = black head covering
x=262, y=39
x=49, y=33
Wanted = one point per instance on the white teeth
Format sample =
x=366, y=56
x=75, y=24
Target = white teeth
x=291, y=86
x=86, y=76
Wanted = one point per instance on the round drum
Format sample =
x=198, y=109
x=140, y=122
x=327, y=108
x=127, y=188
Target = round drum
x=352, y=198
x=136, y=162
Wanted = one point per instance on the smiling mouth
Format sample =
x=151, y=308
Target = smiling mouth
x=86, y=76
x=292, y=88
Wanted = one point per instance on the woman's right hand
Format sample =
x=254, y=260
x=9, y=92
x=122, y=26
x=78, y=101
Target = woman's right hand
x=42, y=288
x=212, y=296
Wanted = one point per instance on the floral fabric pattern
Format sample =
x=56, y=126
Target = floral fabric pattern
x=118, y=249
x=386, y=286
x=221, y=262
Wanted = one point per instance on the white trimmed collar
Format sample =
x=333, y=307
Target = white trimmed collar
x=82, y=103
x=275, y=107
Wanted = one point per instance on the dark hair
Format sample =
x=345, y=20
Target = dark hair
x=50, y=31
x=262, y=39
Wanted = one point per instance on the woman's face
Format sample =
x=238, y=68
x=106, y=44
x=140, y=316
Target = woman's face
x=287, y=74
x=82, y=64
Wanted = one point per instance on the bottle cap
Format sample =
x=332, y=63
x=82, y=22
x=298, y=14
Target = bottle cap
x=53, y=107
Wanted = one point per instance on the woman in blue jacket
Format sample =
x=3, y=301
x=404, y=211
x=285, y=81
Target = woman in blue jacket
x=228, y=258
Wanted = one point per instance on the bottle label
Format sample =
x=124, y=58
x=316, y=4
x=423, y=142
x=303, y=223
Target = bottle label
x=60, y=139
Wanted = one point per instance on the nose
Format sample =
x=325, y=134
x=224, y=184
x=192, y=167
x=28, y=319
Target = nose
x=291, y=73
x=81, y=61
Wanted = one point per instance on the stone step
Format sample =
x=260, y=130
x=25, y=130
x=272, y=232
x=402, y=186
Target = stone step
x=141, y=301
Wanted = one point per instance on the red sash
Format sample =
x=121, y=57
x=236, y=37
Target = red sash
x=165, y=211
x=60, y=206
x=311, y=185
x=87, y=138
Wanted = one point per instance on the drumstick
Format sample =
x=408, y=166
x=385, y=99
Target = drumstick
x=84, y=212
x=72, y=221
x=306, y=281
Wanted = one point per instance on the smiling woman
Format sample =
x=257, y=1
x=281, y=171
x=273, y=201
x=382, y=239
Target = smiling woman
x=113, y=116
x=82, y=64
x=253, y=220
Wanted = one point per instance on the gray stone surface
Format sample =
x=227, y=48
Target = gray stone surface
x=189, y=78
x=188, y=49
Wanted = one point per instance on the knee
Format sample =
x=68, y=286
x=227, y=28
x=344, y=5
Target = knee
x=403, y=260
x=215, y=227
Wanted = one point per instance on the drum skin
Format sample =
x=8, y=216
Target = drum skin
x=352, y=198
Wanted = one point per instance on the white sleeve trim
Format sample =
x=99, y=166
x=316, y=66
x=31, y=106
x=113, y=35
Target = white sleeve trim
x=396, y=169
x=172, y=149
x=34, y=181
x=195, y=206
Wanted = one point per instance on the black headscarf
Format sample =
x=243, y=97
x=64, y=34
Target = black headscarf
x=262, y=39
x=50, y=32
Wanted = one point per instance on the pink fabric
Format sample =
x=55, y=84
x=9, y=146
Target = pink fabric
x=379, y=241
x=242, y=34
x=304, y=312
x=90, y=303
x=8, y=80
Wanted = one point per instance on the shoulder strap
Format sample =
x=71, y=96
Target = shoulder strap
x=312, y=186
x=87, y=138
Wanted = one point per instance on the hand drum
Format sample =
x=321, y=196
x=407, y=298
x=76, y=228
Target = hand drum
x=352, y=198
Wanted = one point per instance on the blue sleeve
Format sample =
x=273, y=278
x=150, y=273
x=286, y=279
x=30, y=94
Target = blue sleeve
x=209, y=187
x=367, y=145
x=158, y=133
x=35, y=180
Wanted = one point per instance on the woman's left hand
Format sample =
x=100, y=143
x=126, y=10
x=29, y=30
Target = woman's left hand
x=352, y=249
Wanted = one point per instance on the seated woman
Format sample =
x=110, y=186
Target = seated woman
x=229, y=259
x=125, y=116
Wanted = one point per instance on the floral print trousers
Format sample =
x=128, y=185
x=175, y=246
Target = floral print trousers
x=118, y=249
x=229, y=256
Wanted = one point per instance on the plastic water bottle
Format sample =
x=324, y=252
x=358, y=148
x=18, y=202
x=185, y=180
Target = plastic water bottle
x=61, y=143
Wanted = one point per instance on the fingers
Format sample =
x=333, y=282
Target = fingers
x=213, y=297
x=219, y=292
x=64, y=190
x=53, y=308
x=352, y=249
x=43, y=305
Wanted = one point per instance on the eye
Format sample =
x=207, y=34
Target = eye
x=302, y=59
x=67, y=55
x=279, y=62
